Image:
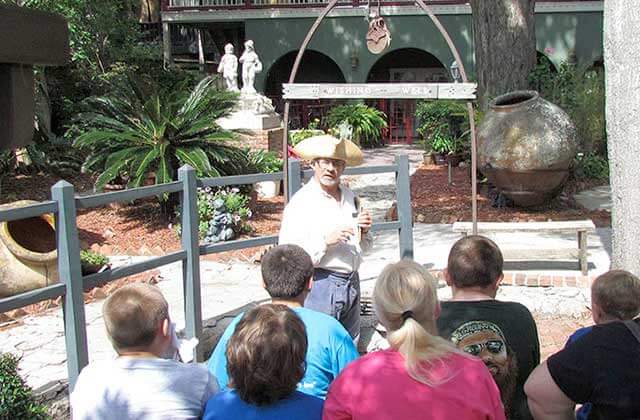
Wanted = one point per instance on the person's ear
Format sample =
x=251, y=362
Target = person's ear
x=497, y=282
x=447, y=277
x=596, y=312
x=165, y=327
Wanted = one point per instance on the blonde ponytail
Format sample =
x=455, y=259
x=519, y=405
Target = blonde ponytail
x=406, y=302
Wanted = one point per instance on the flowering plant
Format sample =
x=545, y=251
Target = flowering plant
x=223, y=214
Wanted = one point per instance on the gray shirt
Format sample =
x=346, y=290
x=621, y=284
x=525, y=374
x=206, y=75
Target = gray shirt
x=142, y=388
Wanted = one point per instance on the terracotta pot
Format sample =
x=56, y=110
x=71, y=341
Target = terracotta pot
x=526, y=146
x=28, y=256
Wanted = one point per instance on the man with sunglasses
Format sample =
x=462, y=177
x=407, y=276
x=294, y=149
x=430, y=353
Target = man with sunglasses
x=326, y=220
x=486, y=341
x=482, y=323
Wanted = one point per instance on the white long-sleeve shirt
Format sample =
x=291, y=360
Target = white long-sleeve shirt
x=311, y=215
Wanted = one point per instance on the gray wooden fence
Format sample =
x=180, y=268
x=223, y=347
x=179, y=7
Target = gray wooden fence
x=64, y=206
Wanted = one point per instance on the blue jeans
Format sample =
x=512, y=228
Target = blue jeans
x=337, y=295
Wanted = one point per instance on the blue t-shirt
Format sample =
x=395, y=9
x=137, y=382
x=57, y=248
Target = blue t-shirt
x=330, y=350
x=583, y=412
x=228, y=405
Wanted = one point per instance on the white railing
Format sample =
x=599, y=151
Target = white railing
x=205, y=3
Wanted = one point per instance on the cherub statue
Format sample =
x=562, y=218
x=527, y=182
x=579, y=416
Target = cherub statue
x=229, y=68
x=250, y=66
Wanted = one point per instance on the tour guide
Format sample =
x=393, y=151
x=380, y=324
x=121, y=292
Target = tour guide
x=325, y=219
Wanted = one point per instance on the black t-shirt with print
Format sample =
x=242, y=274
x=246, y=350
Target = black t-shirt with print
x=602, y=367
x=510, y=319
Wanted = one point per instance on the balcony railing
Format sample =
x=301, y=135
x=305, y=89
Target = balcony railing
x=168, y=5
x=223, y=4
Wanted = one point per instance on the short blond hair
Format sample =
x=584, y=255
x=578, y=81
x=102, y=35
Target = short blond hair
x=405, y=300
x=133, y=314
x=617, y=293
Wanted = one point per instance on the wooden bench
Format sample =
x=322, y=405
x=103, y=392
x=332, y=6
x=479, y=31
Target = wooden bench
x=581, y=227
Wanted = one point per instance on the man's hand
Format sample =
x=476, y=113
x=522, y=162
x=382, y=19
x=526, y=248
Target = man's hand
x=364, y=221
x=341, y=235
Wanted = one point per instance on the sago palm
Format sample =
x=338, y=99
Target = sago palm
x=139, y=129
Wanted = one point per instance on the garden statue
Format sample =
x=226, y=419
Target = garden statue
x=229, y=68
x=253, y=110
x=250, y=66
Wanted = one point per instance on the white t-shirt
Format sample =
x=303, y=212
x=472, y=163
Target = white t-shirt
x=141, y=388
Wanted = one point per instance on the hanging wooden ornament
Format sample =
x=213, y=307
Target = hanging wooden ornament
x=378, y=36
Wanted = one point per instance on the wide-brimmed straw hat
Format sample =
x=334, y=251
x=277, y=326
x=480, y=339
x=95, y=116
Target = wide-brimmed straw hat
x=329, y=147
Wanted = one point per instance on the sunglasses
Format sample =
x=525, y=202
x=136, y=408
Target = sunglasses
x=494, y=346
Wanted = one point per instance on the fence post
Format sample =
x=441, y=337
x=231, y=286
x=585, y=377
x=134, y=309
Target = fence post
x=191, y=266
x=405, y=215
x=75, y=333
x=294, y=178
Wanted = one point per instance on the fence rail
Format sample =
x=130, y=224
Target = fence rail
x=72, y=284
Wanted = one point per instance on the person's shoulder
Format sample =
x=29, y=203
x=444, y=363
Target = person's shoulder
x=307, y=399
x=300, y=196
x=319, y=320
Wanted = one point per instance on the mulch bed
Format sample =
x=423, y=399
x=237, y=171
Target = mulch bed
x=435, y=201
x=141, y=229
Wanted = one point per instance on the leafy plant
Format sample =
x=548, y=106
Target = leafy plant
x=265, y=162
x=140, y=130
x=580, y=92
x=296, y=136
x=367, y=122
x=88, y=257
x=592, y=166
x=223, y=214
x=16, y=397
x=444, y=126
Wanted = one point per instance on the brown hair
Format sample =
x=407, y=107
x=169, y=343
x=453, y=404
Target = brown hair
x=474, y=261
x=286, y=270
x=133, y=314
x=617, y=293
x=266, y=354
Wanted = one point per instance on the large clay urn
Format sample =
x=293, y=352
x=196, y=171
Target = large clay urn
x=28, y=256
x=526, y=146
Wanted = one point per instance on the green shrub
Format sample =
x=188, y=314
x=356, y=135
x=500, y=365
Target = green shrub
x=367, y=122
x=580, y=92
x=16, y=398
x=592, y=166
x=140, y=129
x=296, y=136
x=88, y=257
x=265, y=162
x=444, y=126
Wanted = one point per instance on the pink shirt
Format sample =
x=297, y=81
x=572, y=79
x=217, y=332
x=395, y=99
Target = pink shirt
x=377, y=386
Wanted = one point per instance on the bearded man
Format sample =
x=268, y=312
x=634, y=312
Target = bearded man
x=474, y=272
x=325, y=219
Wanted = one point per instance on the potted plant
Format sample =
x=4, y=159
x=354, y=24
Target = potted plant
x=93, y=262
x=443, y=126
x=267, y=163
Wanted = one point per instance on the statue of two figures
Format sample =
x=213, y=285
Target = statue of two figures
x=250, y=66
x=253, y=110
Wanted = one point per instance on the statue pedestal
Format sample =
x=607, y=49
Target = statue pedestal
x=253, y=112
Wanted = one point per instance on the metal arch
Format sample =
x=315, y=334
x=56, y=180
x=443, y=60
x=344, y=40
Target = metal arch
x=292, y=77
x=463, y=73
